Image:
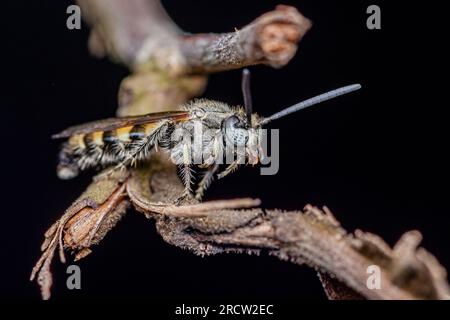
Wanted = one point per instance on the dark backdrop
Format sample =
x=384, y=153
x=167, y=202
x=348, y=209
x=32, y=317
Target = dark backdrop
x=376, y=158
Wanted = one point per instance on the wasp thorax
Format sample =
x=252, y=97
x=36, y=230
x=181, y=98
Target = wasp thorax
x=235, y=131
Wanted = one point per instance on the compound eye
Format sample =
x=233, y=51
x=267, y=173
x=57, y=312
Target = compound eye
x=235, y=131
x=231, y=123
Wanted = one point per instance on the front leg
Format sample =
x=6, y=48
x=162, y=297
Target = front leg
x=232, y=167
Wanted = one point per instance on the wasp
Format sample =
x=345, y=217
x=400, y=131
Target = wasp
x=202, y=133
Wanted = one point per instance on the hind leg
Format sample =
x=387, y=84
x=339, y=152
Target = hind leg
x=140, y=150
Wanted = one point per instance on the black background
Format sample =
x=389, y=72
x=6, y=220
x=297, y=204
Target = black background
x=376, y=158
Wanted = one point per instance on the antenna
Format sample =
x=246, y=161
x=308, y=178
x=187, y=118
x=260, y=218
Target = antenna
x=247, y=95
x=312, y=101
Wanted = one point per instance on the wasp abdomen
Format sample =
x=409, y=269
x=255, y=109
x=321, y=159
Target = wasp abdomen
x=103, y=148
x=138, y=132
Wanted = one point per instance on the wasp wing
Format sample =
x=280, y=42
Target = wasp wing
x=115, y=123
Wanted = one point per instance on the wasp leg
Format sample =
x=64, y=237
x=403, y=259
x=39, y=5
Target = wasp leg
x=186, y=176
x=121, y=166
x=108, y=173
x=186, y=172
x=141, y=151
x=232, y=167
x=144, y=147
x=206, y=181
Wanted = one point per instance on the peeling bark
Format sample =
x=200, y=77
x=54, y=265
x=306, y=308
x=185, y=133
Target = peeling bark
x=83, y=225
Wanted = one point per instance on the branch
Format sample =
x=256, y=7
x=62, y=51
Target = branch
x=167, y=63
x=313, y=237
x=121, y=29
x=139, y=34
x=271, y=39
